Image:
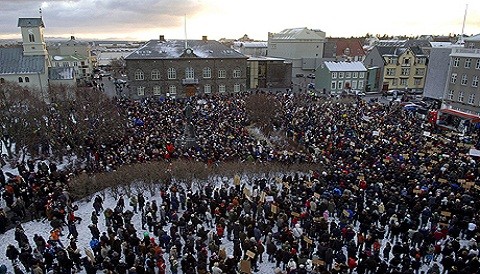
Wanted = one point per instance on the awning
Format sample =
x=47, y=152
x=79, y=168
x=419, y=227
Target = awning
x=467, y=116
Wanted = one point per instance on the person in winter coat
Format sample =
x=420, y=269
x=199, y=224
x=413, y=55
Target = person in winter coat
x=291, y=265
x=297, y=231
x=271, y=250
x=12, y=254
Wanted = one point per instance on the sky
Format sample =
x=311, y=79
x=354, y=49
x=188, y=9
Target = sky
x=147, y=19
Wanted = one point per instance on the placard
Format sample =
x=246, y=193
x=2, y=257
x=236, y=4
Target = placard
x=274, y=208
x=477, y=187
x=245, y=267
x=417, y=191
x=461, y=181
x=442, y=181
x=295, y=214
x=250, y=254
x=318, y=262
x=356, y=158
x=246, y=191
x=346, y=213
x=262, y=196
x=269, y=199
x=316, y=195
x=421, y=154
x=236, y=180
x=307, y=240
x=446, y=213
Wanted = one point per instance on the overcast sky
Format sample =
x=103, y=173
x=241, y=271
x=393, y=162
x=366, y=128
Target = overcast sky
x=146, y=19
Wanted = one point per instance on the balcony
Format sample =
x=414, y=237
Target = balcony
x=190, y=81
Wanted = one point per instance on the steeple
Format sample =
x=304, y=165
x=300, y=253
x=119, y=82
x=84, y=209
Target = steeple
x=32, y=36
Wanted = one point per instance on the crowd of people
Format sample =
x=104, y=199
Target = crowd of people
x=392, y=194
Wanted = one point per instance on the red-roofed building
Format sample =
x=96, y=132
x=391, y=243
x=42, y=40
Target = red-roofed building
x=348, y=49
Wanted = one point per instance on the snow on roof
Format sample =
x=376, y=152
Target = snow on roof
x=345, y=66
x=157, y=49
x=475, y=38
x=258, y=44
x=299, y=33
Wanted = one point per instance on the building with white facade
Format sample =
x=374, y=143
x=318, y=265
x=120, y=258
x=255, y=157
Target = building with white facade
x=339, y=77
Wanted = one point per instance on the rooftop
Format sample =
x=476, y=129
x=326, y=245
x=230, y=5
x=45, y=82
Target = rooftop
x=12, y=61
x=345, y=66
x=31, y=22
x=299, y=34
x=172, y=49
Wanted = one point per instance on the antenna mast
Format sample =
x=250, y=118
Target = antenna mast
x=463, y=25
x=185, y=25
x=40, y=11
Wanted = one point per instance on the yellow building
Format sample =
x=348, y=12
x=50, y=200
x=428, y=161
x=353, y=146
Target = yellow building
x=400, y=67
x=405, y=68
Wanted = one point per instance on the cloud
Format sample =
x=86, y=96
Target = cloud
x=98, y=16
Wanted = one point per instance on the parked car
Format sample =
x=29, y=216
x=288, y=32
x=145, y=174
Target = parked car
x=393, y=91
x=357, y=92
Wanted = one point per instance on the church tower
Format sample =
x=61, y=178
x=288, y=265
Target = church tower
x=32, y=36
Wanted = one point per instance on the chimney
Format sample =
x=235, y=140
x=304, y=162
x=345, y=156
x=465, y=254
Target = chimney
x=161, y=38
x=204, y=38
x=72, y=37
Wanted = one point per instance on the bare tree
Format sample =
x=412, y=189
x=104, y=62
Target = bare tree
x=262, y=110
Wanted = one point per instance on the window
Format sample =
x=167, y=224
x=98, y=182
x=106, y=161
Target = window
x=207, y=73
x=189, y=73
x=31, y=38
x=460, y=96
x=140, y=91
x=390, y=71
x=475, y=81
x=471, y=98
x=236, y=88
x=417, y=81
x=468, y=62
x=157, y=90
x=221, y=88
x=155, y=75
x=362, y=74
x=464, y=80
x=403, y=81
x=354, y=84
x=406, y=61
x=20, y=79
x=334, y=85
x=477, y=65
x=207, y=89
x=405, y=71
x=340, y=85
x=419, y=71
x=172, y=90
x=65, y=64
x=453, y=79
x=360, y=84
x=2, y=80
x=395, y=82
x=334, y=75
x=340, y=75
x=355, y=75
x=392, y=60
x=237, y=73
x=348, y=75
x=27, y=80
x=139, y=75
x=450, y=95
x=171, y=73
x=75, y=64
x=456, y=61
x=222, y=73
x=421, y=61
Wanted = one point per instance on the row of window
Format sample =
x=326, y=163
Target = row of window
x=20, y=79
x=464, y=80
x=405, y=71
x=347, y=75
x=404, y=81
x=189, y=74
x=406, y=61
x=467, y=63
x=346, y=85
x=461, y=97
x=172, y=89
